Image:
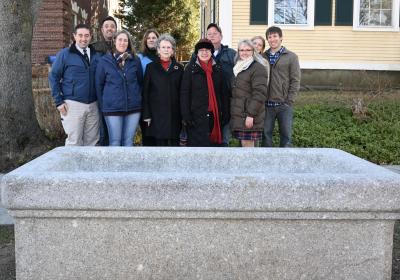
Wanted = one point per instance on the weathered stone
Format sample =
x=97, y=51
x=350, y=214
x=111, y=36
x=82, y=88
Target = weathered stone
x=5, y=219
x=202, y=213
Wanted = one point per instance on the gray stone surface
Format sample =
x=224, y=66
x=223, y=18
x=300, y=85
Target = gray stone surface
x=202, y=213
x=5, y=218
x=394, y=168
x=203, y=249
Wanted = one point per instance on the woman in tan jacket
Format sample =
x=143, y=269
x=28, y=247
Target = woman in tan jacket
x=249, y=94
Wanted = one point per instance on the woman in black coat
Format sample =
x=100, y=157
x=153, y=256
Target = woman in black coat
x=161, y=91
x=204, y=98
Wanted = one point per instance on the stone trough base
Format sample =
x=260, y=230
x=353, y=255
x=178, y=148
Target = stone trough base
x=162, y=247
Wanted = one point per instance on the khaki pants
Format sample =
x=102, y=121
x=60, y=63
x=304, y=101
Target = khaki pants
x=81, y=123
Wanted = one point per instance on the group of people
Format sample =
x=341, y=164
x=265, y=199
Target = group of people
x=104, y=90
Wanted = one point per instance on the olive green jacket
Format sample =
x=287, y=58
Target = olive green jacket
x=284, y=81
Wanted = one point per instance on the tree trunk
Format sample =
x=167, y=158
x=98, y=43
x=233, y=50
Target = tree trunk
x=20, y=134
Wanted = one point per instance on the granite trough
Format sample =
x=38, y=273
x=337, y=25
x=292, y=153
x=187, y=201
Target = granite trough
x=202, y=213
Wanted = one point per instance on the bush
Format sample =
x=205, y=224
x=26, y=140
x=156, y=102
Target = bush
x=376, y=138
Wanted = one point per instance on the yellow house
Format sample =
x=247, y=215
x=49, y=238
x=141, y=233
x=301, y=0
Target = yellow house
x=326, y=34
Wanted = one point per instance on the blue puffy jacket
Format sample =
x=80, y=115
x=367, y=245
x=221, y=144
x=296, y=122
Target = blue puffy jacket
x=144, y=60
x=72, y=78
x=119, y=90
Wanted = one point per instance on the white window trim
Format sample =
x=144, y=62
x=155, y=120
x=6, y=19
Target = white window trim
x=310, y=17
x=395, y=17
x=225, y=21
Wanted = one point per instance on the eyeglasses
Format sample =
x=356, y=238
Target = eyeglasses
x=246, y=50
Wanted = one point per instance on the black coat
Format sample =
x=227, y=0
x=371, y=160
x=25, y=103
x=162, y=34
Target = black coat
x=194, y=102
x=161, y=92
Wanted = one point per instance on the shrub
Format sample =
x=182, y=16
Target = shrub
x=375, y=138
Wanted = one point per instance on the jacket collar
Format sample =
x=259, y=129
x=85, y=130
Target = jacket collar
x=196, y=67
x=73, y=49
x=171, y=68
x=283, y=51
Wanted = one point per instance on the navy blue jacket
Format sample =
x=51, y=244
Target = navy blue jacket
x=226, y=58
x=119, y=90
x=72, y=78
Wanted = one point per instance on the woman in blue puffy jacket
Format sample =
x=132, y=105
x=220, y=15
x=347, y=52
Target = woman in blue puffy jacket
x=118, y=86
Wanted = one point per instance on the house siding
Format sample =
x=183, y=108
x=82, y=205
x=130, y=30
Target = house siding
x=329, y=45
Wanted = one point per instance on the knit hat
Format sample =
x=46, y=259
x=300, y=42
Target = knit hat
x=204, y=44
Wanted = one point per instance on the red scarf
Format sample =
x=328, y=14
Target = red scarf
x=215, y=136
x=165, y=64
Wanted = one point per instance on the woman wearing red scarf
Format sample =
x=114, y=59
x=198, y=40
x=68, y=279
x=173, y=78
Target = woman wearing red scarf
x=204, y=98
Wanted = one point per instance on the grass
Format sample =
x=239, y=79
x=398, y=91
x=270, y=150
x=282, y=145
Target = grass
x=6, y=234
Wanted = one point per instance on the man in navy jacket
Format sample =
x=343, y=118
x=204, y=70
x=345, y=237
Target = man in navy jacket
x=72, y=87
x=225, y=57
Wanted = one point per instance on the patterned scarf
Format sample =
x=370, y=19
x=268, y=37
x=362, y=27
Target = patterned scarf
x=215, y=136
x=121, y=58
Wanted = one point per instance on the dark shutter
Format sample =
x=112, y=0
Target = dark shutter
x=344, y=13
x=259, y=12
x=323, y=12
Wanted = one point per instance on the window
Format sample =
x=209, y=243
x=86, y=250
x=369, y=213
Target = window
x=291, y=13
x=382, y=15
x=75, y=19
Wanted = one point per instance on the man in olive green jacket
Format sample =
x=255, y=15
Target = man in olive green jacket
x=102, y=46
x=283, y=87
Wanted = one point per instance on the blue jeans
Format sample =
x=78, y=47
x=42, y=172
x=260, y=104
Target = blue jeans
x=284, y=115
x=121, y=129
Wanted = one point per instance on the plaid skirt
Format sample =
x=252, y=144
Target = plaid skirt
x=248, y=135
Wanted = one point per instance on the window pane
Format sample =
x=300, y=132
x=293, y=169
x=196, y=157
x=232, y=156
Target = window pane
x=386, y=4
x=386, y=17
x=301, y=16
x=376, y=4
x=364, y=4
x=279, y=16
x=290, y=12
x=364, y=17
x=376, y=12
x=374, y=17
